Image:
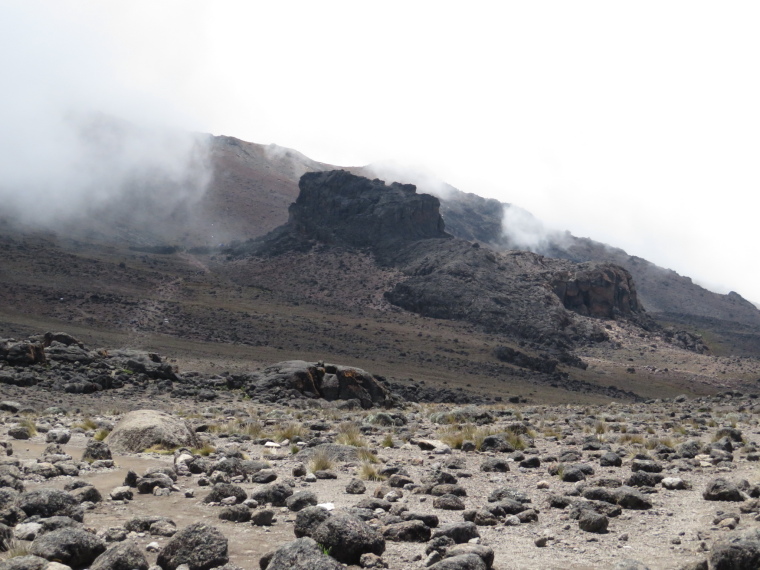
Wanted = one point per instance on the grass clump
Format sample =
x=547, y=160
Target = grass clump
x=388, y=441
x=86, y=424
x=30, y=426
x=369, y=472
x=321, y=461
x=368, y=456
x=290, y=431
x=101, y=434
x=516, y=441
x=205, y=450
x=350, y=434
x=633, y=438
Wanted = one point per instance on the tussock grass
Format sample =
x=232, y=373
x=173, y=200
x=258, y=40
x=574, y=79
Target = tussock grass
x=368, y=472
x=206, y=449
x=633, y=438
x=86, y=424
x=350, y=434
x=388, y=441
x=551, y=432
x=101, y=434
x=29, y=424
x=290, y=431
x=321, y=461
x=516, y=441
x=254, y=429
x=368, y=456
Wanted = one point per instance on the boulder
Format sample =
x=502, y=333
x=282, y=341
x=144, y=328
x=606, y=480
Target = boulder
x=50, y=502
x=458, y=532
x=468, y=561
x=274, y=493
x=221, y=491
x=738, y=553
x=96, y=451
x=722, y=490
x=300, y=500
x=73, y=546
x=407, y=531
x=308, y=519
x=348, y=537
x=142, y=429
x=199, y=545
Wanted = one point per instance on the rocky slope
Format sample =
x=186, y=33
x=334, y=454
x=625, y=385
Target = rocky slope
x=212, y=479
x=518, y=293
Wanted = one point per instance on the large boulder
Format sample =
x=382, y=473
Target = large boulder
x=348, y=537
x=737, y=553
x=73, y=546
x=199, y=545
x=142, y=429
x=49, y=503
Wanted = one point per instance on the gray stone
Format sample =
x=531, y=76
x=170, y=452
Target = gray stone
x=199, y=545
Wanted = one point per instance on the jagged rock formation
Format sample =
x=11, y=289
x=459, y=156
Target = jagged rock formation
x=518, y=293
x=338, y=208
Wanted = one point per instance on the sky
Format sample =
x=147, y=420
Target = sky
x=633, y=123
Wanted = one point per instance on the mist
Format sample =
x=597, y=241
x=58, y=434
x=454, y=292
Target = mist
x=425, y=181
x=76, y=141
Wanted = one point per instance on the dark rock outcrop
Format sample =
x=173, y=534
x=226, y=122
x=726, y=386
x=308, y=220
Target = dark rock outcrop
x=319, y=380
x=597, y=290
x=339, y=208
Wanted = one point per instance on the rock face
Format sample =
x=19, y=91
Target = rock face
x=142, y=429
x=339, y=208
x=602, y=290
x=326, y=381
